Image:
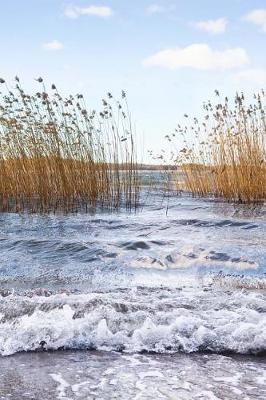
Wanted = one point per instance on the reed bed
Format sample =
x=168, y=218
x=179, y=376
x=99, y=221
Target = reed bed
x=55, y=154
x=225, y=155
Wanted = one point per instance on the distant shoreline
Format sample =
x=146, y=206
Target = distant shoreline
x=155, y=167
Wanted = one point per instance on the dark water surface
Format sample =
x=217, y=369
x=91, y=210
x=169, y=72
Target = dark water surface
x=151, y=305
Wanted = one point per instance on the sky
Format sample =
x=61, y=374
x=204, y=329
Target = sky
x=168, y=55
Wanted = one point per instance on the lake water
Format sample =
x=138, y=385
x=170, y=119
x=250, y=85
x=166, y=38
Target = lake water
x=165, y=303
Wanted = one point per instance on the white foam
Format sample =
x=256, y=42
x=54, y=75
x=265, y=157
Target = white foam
x=63, y=385
x=161, y=320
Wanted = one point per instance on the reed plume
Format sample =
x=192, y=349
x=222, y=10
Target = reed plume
x=55, y=154
x=225, y=155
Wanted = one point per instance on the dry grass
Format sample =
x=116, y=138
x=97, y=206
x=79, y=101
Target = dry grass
x=55, y=154
x=227, y=157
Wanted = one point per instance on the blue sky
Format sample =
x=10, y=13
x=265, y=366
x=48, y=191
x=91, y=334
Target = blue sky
x=168, y=55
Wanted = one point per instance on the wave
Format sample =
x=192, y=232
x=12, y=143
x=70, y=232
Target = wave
x=140, y=319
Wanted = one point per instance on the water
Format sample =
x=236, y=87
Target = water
x=168, y=303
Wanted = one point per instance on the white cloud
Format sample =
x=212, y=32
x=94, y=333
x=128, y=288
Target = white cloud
x=54, y=45
x=257, y=17
x=155, y=9
x=97, y=11
x=159, y=9
x=198, y=56
x=252, y=75
x=214, y=26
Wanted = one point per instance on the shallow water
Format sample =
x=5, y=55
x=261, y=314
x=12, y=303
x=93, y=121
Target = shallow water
x=148, y=305
x=105, y=375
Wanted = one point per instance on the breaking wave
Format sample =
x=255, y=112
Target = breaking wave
x=141, y=319
x=135, y=283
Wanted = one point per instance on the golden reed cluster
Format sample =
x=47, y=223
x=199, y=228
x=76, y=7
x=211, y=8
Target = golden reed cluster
x=225, y=155
x=55, y=154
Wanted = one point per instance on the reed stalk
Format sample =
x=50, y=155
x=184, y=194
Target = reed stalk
x=225, y=155
x=55, y=154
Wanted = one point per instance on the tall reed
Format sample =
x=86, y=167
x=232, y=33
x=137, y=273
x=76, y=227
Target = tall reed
x=55, y=154
x=225, y=155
